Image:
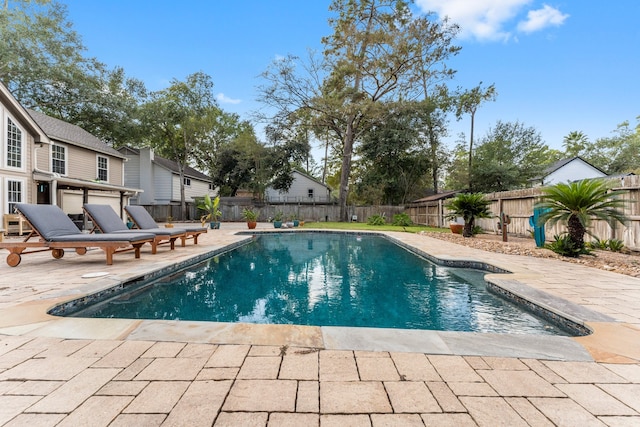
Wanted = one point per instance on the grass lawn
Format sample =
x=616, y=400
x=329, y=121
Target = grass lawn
x=365, y=226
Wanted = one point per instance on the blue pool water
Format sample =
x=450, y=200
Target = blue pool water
x=326, y=279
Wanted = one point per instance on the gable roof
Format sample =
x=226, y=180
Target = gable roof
x=438, y=196
x=11, y=103
x=311, y=178
x=562, y=162
x=62, y=131
x=171, y=165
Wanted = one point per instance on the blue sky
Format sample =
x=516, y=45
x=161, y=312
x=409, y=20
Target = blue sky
x=558, y=66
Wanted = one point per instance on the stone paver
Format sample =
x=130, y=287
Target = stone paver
x=262, y=395
x=47, y=379
x=353, y=397
x=412, y=397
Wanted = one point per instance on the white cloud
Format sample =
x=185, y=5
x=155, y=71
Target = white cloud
x=542, y=18
x=490, y=20
x=223, y=99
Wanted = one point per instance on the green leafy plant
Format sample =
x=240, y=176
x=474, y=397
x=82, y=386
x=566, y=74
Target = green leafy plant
x=402, y=219
x=278, y=216
x=615, y=245
x=250, y=215
x=376, y=219
x=578, y=202
x=565, y=246
x=477, y=230
x=211, y=207
x=597, y=244
x=469, y=206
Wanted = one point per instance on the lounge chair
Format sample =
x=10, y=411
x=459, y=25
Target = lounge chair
x=106, y=220
x=144, y=221
x=57, y=232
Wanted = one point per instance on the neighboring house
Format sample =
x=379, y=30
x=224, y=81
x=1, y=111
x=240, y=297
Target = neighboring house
x=160, y=179
x=565, y=170
x=304, y=189
x=48, y=161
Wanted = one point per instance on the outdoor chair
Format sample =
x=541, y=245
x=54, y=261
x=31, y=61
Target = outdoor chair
x=57, y=232
x=144, y=221
x=106, y=220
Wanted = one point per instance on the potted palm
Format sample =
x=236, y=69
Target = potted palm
x=251, y=216
x=469, y=206
x=212, y=209
x=277, y=219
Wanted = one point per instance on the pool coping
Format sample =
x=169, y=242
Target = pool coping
x=338, y=338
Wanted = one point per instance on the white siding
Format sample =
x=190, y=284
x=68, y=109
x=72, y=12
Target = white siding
x=299, y=191
x=573, y=171
x=163, y=185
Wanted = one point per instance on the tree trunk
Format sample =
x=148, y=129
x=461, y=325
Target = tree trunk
x=467, y=231
x=346, y=170
x=576, y=231
x=473, y=115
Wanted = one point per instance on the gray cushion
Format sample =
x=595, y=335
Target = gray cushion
x=48, y=220
x=193, y=228
x=54, y=226
x=141, y=217
x=103, y=237
x=105, y=218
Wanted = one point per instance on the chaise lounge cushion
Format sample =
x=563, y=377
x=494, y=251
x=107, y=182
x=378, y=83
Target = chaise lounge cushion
x=108, y=221
x=145, y=221
x=54, y=226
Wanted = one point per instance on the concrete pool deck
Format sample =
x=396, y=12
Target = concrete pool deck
x=71, y=371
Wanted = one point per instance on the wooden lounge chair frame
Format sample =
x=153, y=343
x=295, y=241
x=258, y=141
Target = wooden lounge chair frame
x=144, y=221
x=109, y=243
x=106, y=220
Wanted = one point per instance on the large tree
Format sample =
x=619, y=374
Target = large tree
x=371, y=58
x=180, y=118
x=508, y=156
x=468, y=103
x=616, y=154
x=395, y=157
x=44, y=64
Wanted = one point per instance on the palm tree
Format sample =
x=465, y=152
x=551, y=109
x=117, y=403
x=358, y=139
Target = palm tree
x=578, y=202
x=469, y=206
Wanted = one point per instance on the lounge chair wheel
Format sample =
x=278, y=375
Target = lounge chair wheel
x=57, y=253
x=81, y=251
x=13, y=259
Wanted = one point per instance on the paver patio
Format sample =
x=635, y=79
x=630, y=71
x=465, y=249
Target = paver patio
x=117, y=372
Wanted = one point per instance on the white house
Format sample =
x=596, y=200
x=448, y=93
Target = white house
x=48, y=161
x=572, y=169
x=304, y=189
x=160, y=178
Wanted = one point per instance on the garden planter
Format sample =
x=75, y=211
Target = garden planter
x=214, y=225
x=252, y=224
x=456, y=228
x=277, y=224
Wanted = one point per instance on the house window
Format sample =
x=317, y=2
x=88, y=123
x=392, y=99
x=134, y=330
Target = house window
x=103, y=168
x=59, y=159
x=310, y=193
x=187, y=182
x=14, y=194
x=14, y=145
x=211, y=187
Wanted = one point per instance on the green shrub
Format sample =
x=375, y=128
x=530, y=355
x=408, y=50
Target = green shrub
x=598, y=244
x=402, y=219
x=376, y=220
x=563, y=245
x=477, y=230
x=615, y=245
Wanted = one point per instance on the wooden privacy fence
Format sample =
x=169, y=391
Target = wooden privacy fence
x=231, y=208
x=518, y=204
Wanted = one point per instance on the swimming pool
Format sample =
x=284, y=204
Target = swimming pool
x=325, y=279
